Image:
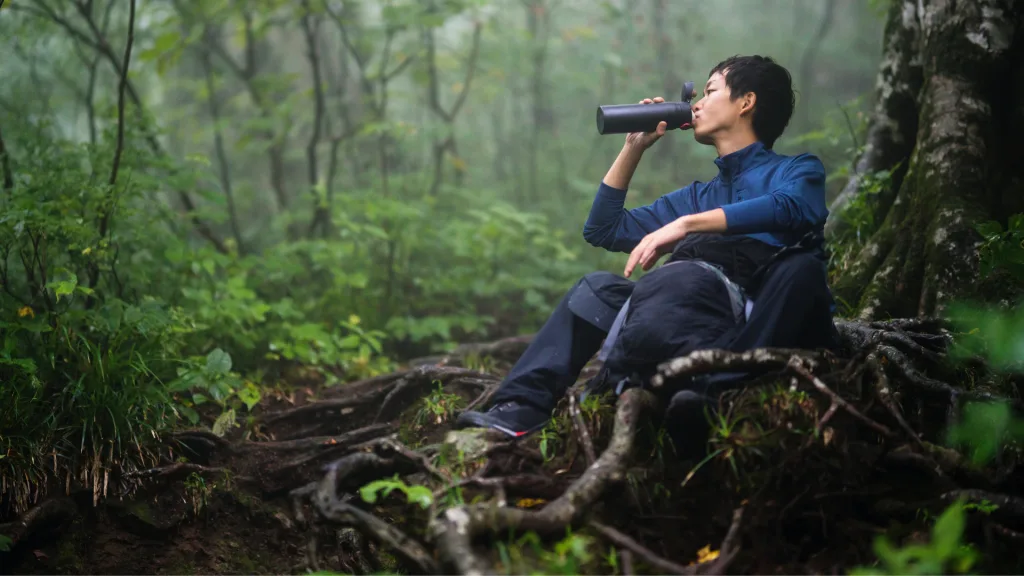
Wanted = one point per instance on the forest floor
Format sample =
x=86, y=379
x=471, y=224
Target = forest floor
x=807, y=467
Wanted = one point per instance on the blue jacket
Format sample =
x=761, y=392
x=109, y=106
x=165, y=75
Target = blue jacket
x=770, y=197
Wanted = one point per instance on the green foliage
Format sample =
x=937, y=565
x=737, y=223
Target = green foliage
x=859, y=217
x=416, y=494
x=996, y=335
x=944, y=553
x=528, y=555
x=984, y=429
x=1003, y=248
x=5, y=543
x=438, y=407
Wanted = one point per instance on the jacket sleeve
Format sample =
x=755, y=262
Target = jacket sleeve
x=612, y=227
x=796, y=202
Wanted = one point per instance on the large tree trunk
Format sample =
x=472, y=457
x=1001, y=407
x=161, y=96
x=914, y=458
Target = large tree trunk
x=959, y=169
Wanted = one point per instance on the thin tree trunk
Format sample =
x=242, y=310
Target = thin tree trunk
x=224, y=168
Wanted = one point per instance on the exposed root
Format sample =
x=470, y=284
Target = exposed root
x=418, y=382
x=708, y=361
x=341, y=405
x=48, y=513
x=331, y=508
x=176, y=470
x=455, y=529
x=1008, y=507
x=620, y=539
x=796, y=365
x=346, y=439
x=814, y=463
x=582, y=433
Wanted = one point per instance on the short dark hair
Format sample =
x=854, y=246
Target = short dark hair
x=773, y=86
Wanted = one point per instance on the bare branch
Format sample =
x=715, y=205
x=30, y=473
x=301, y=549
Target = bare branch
x=119, y=150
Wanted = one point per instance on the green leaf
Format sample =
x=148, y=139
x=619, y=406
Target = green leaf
x=249, y=394
x=218, y=362
x=989, y=229
x=225, y=422
x=948, y=530
x=419, y=495
x=64, y=287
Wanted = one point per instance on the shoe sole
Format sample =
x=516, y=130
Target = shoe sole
x=481, y=420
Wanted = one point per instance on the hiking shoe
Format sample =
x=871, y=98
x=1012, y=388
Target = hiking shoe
x=511, y=417
x=687, y=424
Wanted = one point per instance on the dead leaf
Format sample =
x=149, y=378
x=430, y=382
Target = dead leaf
x=706, y=554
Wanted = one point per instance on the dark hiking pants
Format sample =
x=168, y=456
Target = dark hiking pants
x=677, y=308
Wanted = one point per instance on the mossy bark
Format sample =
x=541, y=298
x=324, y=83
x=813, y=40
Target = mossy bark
x=925, y=253
x=893, y=127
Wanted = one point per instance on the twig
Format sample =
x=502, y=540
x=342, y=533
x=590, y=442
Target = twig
x=797, y=367
x=581, y=430
x=119, y=150
x=645, y=554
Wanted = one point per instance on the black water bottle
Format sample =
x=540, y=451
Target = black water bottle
x=626, y=118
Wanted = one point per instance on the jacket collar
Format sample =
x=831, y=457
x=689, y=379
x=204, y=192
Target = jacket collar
x=734, y=164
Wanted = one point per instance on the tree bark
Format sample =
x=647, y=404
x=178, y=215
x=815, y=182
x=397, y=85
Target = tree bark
x=925, y=253
x=893, y=127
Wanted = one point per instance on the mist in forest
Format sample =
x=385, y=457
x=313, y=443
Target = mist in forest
x=438, y=152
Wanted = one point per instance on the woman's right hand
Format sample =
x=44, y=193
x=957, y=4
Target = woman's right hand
x=643, y=140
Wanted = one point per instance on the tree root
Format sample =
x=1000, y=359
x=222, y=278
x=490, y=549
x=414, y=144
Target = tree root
x=582, y=433
x=645, y=554
x=176, y=470
x=418, y=382
x=886, y=367
x=455, y=529
x=48, y=513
